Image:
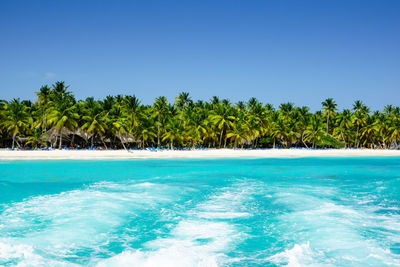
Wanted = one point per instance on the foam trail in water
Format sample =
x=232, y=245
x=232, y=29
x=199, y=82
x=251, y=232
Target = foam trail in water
x=328, y=233
x=201, y=238
x=64, y=223
x=299, y=255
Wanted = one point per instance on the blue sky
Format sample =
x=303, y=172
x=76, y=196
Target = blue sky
x=277, y=51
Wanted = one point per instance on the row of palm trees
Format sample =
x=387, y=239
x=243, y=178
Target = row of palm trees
x=58, y=119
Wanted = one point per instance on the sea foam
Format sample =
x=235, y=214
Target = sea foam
x=201, y=238
x=62, y=224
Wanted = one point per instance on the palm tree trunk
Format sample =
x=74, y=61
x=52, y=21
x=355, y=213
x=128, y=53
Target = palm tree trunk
x=274, y=143
x=122, y=142
x=344, y=140
x=180, y=121
x=72, y=140
x=45, y=122
x=158, y=132
x=13, y=142
x=103, y=142
x=220, y=138
x=225, y=142
x=356, y=142
x=61, y=132
x=327, y=124
x=55, y=141
x=18, y=144
x=302, y=140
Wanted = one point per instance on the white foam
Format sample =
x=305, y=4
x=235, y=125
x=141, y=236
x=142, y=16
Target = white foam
x=299, y=255
x=231, y=203
x=191, y=243
x=222, y=215
x=62, y=223
x=24, y=256
x=383, y=256
x=201, y=238
x=176, y=256
x=332, y=227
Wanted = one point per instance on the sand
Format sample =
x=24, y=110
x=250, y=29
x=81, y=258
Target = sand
x=210, y=153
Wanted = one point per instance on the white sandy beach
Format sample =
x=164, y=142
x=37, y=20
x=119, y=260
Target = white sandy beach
x=210, y=153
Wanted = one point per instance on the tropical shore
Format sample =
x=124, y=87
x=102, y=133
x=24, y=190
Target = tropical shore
x=210, y=153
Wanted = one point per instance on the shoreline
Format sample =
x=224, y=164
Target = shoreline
x=188, y=154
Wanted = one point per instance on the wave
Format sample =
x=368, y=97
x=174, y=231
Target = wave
x=299, y=255
x=338, y=230
x=86, y=219
x=25, y=256
x=203, y=237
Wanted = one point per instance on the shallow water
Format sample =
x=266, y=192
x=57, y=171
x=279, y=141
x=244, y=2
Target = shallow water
x=221, y=212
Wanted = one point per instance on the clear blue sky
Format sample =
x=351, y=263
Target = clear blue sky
x=277, y=51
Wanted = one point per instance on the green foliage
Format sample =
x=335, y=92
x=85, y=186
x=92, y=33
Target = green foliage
x=57, y=119
x=328, y=140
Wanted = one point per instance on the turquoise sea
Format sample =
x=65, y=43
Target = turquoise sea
x=209, y=212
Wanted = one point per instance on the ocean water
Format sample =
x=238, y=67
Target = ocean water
x=209, y=212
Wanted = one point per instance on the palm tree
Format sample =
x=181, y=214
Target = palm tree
x=188, y=123
x=395, y=132
x=37, y=138
x=181, y=101
x=222, y=119
x=286, y=110
x=160, y=108
x=215, y=100
x=370, y=130
x=359, y=118
x=304, y=117
x=59, y=92
x=119, y=127
x=63, y=115
x=279, y=130
x=358, y=105
x=241, y=106
x=196, y=125
x=108, y=103
x=257, y=120
x=239, y=134
x=314, y=131
x=344, y=123
x=95, y=120
x=16, y=118
x=2, y=115
x=173, y=133
x=252, y=103
x=329, y=107
x=132, y=111
x=147, y=134
x=43, y=100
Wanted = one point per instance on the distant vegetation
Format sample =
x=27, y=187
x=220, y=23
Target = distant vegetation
x=58, y=119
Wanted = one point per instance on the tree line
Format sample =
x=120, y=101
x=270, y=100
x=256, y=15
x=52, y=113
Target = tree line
x=57, y=119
